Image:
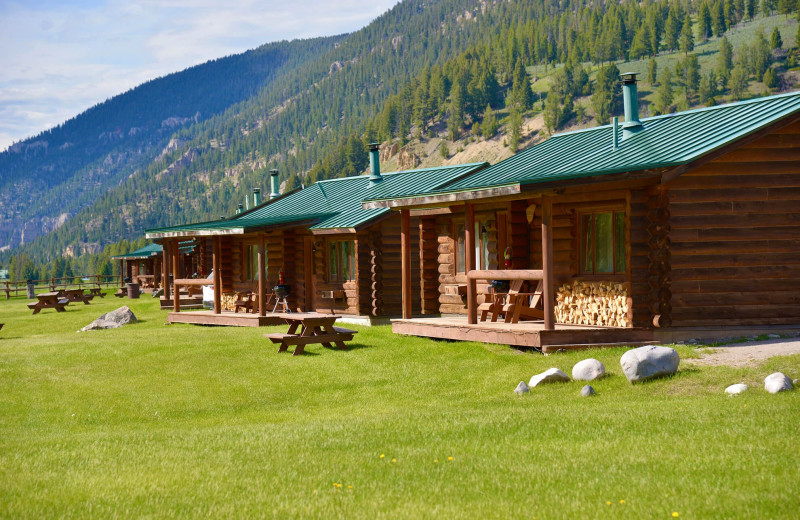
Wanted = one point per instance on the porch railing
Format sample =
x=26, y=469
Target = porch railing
x=496, y=274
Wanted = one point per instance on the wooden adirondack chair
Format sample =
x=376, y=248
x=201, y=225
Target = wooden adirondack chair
x=524, y=305
x=494, y=303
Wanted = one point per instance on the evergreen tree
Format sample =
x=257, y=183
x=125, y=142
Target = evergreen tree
x=718, y=19
x=652, y=71
x=687, y=36
x=521, y=95
x=738, y=82
x=692, y=74
x=724, y=61
x=750, y=8
x=551, y=113
x=489, y=126
x=707, y=89
x=515, y=124
x=665, y=93
x=607, y=97
x=672, y=30
x=775, y=41
x=704, y=29
x=770, y=80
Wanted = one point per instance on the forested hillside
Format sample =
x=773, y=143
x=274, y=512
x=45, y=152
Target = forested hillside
x=48, y=178
x=436, y=81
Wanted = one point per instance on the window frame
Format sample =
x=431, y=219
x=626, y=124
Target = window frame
x=335, y=253
x=619, y=242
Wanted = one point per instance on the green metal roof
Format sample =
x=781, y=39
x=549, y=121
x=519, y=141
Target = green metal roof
x=151, y=250
x=668, y=140
x=329, y=204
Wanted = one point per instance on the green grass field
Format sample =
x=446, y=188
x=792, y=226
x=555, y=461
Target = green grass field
x=184, y=421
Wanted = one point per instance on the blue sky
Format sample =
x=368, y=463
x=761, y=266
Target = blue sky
x=58, y=58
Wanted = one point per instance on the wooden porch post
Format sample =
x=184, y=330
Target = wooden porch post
x=165, y=267
x=262, y=277
x=405, y=253
x=469, y=240
x=308, y=274
x=217, y=266
x=121, y=273
x=176, y=269
x=547, y=262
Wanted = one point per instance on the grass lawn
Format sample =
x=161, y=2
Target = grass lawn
x=184, y=421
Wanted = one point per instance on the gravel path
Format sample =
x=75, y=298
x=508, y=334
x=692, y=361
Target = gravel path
x=741, y=354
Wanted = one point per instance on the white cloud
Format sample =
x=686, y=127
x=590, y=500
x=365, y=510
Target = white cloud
x=58, y=59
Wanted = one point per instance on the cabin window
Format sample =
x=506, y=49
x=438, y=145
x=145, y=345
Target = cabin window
x=251, y=261
x=481, y=246
x=461, y=248
x=602, y=242
x=342, y=260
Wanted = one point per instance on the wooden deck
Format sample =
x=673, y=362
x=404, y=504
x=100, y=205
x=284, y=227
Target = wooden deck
x=226, y=318
x=524, y=334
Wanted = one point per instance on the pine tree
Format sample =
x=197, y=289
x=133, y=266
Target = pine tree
x=692, y=73
x=750, y=8
x=489, y=126
x=738, y=82
x=672, y=30
x=515, y=122
x=724, y=61
x=687, y=36
x=775, y=41
x=770, y=80
x=704, y=22
x=665, y=94
x=652, y=71
x=718, y=19
x=521, y=91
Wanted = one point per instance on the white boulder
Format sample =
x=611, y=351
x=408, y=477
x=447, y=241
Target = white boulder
x=521, y=388
x=648, y=362
x=587, y=391
x=777, y=382
x=588, y=370
x=112, y=320
x=552, y=375
x=736, y=389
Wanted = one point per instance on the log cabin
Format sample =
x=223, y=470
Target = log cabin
x=335, y=256
x=682, y=222
x=144, y=265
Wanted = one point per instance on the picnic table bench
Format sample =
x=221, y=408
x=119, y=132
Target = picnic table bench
x=96, y=291
x=49, y=300
x=76, y=295
x=314, y=328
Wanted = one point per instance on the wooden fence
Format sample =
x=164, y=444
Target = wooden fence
x=20, y=287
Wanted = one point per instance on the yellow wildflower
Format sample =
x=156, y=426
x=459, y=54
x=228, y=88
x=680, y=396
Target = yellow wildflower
x=394, y=460
x=622, y=501
x=382, y=455
x=675, y=514
x=608, y=502
x=449, y=458
x=436, y=461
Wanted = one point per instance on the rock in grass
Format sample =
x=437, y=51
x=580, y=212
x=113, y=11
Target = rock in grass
x=112, y=320
x=796, y=382
x=736, y=389
x=587, y=391
x=588, y=370
x=521, y=388
x=777, y=382
x=648, y=362
x=552, y=375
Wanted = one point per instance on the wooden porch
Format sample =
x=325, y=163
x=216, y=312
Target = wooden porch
x=531, y=334
x=226, y=318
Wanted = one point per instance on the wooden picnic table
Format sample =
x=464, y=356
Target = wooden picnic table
x=76, y=295
x=96, y=291
x=49, y=300
x=314, y=328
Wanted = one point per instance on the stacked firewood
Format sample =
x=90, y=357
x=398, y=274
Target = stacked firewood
x=228, y=302
x=593, y=303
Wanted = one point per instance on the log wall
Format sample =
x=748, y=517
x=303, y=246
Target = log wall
x=735, y=236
